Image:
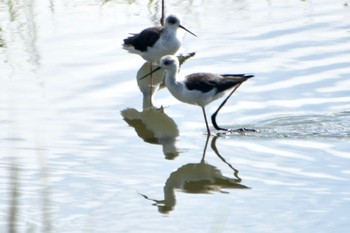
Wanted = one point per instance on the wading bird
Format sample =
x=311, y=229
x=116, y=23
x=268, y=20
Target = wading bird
x=200, y=88
x=155, y=42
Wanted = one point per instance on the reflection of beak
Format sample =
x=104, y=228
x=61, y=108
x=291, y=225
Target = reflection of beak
x=187, y=30
x=158, y=68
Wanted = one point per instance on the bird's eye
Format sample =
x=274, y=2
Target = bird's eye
x=172, y=20
x=166, y=62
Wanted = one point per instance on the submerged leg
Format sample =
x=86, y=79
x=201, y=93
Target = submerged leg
x=206, y=121
x=205, y=148
x=213, y=117
x=150, y=85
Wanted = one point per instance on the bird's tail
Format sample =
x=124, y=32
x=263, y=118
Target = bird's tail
x=238, y=75
x=237, y=78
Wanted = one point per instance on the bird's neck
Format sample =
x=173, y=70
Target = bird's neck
x=169, y=32
x=172, y=84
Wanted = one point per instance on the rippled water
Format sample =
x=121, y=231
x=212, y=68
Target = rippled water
x=79, y=154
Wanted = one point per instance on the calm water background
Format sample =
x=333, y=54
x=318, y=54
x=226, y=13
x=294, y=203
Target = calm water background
x=78, y=154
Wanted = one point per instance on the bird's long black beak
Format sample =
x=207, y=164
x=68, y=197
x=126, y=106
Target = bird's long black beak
x=187, y=30
x=158, y=68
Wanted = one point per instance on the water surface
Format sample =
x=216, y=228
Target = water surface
x=79, y=154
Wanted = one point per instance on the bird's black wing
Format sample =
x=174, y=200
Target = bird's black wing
x=206, y=82
x=203, y=82
x=144, y=39
x=228, y=81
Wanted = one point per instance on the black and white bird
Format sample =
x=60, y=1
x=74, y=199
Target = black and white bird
x=155, y=42
x=200, y=88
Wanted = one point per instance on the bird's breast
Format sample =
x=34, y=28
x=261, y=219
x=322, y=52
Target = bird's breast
x=170, y=42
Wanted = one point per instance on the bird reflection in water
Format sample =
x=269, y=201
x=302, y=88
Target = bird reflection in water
x=152, y=124
x=197, y=178
x=155, y=127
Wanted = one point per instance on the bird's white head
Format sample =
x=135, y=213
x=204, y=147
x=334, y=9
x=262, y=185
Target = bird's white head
x=169, y=62
x=173, y=22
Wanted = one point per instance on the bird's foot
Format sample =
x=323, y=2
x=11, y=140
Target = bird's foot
x=154, y=108
x=243, y=130
x=161, y=109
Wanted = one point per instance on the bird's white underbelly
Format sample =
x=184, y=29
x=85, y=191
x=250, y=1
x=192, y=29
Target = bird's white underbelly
x=168, y=45
x=195, y=97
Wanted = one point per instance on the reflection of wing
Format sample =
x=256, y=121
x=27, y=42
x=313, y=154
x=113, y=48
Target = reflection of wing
x=193, y=178
x=196, y=178
x=133, y=118
x=155, y=127
x=182, y=58
x=201, y=178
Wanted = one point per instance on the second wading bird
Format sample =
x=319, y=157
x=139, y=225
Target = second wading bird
x=200, y=88
x=155, y=42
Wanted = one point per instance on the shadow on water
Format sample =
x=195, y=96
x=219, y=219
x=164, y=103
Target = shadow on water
x=17, y=181
x=197, y=178
x=14, y=194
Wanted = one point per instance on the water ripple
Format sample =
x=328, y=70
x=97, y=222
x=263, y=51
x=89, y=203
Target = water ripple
x=335, y=125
